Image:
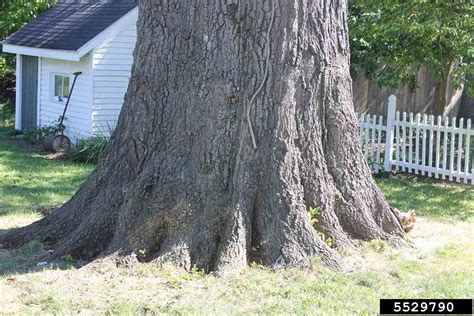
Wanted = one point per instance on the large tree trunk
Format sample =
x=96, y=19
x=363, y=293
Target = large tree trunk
x=441, y=97
x=207, y=169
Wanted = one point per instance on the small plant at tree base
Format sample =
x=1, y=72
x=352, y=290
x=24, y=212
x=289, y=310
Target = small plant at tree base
x=68, y=259
x=378, y=245
x=329, y=242
x=373, y=164
x=194, y=274
x=313, y=213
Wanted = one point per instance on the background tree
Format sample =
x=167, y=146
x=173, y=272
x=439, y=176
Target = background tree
x=392, y=40
x=13, y=15
x=238, y=119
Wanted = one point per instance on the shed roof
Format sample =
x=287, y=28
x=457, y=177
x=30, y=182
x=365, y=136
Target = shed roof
x=71, y=24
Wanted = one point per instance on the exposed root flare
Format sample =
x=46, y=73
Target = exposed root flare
x=182, y=179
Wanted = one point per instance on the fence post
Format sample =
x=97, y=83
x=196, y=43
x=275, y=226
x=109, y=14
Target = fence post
x=392, y=105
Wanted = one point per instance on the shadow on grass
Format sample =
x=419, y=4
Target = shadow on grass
x=434, y=199
x=31, y=257
x=29, y=181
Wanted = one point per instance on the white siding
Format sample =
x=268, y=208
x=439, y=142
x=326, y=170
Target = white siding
x=112, y=63
x=78, y=123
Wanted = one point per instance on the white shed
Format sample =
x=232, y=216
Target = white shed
x=96, y=38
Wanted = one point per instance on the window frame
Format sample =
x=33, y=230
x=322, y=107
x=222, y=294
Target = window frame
x=60, y=98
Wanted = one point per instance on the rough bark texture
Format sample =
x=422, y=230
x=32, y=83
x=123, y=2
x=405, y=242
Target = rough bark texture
x=441, y=100
x=181, y=177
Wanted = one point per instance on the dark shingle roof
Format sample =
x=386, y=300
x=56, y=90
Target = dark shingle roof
x=71, y=24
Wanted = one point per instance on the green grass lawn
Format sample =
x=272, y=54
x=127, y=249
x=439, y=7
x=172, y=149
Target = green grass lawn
x=29, y=181
x=443, y=201
x=440, y=266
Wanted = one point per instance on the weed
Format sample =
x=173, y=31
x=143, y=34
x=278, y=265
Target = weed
x=373, y=164
x=313, y=214
x=68, y=259
x=378, y=245
x=194, y=274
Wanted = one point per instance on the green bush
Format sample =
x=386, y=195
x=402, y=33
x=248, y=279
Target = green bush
x=88, y=150
x=7, y=111
x=37, y=134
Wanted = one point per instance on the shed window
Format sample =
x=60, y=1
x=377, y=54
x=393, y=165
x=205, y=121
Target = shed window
x=60, y=87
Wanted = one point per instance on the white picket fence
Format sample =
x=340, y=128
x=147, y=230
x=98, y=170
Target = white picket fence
x=420, y=144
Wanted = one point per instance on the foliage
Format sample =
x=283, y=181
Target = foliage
x=36, y=135
x=372, y=162
x=7, y=111
x=392, y=40
x=378, y=245
x=313, y=214
x=13, y=15
x=88, y=150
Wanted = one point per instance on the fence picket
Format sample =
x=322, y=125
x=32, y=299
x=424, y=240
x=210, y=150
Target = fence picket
x=445, y=146
x=389, y=133
x=366, y=132
x=460, y=153
x=430, y=150
x=425, y=145
x=379, y=142
x=417, y=143
x=451, y=151
x=397, y=136
x=404, y=146
x=373, y=128
x=466, y=156
x=438, y=141
x=410, y=143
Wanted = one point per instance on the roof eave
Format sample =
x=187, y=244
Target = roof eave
x=75, y=55
x=42, y=52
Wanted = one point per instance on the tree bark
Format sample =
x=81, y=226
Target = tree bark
x=442, y=99
x=186, y=178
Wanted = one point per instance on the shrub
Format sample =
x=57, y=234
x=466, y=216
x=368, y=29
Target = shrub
x=7, y=111
x=88, y=150
x=36, y=135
